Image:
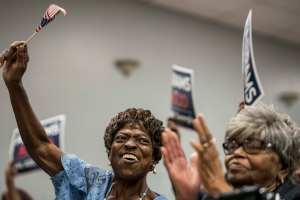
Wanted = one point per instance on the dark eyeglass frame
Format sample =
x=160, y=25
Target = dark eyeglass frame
x=248, y=146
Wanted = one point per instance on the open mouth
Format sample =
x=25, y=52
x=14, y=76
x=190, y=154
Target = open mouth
x=130, y=157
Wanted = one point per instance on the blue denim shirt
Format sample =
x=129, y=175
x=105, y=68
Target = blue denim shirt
x=80, y=180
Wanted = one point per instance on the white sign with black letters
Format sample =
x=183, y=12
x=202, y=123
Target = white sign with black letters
x=253, y=90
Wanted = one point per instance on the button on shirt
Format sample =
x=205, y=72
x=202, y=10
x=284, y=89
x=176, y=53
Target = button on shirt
x=82, y=181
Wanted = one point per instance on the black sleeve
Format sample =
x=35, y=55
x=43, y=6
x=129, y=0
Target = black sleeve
x=204, y=196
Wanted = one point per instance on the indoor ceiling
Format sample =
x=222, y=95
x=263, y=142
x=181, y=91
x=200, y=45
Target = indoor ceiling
x=275, y=18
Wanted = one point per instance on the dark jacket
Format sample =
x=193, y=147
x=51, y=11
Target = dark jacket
x=287, y=191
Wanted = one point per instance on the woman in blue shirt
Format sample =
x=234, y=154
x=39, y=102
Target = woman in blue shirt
x=132, y=140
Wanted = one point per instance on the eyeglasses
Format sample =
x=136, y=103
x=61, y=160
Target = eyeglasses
x=250, y=146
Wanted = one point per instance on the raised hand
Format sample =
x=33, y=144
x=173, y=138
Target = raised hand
x=15, y=63
x=38, y=145
x=12, y=192
x=184, y=175
x=241, y=106
x=10, y=172
x=210, y=167
x=3, y=57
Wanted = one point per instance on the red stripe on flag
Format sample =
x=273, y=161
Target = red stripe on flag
x=53, y=12
x=49, y=15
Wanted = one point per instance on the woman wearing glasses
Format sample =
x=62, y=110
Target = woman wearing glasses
x=261, y=148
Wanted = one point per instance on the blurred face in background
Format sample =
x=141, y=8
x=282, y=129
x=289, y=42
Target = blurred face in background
x=298, y=175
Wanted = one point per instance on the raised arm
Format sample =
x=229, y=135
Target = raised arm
x=45, y=154
x=12, y=192
x=184, y=176
x=210, y=167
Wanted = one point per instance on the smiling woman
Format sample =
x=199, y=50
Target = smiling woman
x=262, y=148
x=132, y=140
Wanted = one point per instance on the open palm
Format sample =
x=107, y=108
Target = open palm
x=184, y=175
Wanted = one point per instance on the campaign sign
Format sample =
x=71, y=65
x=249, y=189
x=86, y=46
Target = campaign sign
x=182, y=96
x=54, y=128
x=253, y=90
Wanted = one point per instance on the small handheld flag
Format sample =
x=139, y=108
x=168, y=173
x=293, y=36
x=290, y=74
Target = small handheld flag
x=253, y=90
x=48, y=16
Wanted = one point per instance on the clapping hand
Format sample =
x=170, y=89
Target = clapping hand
x=209, y=165
x=184, y=175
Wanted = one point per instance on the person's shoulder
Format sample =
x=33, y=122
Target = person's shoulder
x=97, y=175
x=289, y=190
x=80, y=174
x=295, y=189
x=77, y=164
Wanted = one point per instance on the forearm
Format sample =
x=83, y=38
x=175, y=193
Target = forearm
x=34, y=137
x=12, y=192
x=9, y=183
x=31, y=130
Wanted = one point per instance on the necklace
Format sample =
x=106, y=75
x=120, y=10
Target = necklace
x=144, y=194
x=141, y=196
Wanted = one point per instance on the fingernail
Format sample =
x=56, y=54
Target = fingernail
x=200, y=115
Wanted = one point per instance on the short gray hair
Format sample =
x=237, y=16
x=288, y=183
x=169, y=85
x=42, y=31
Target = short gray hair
x=264, y=122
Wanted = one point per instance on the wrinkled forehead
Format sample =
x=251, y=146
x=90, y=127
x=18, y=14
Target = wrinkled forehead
x=137, y=126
